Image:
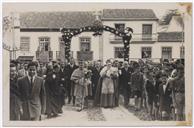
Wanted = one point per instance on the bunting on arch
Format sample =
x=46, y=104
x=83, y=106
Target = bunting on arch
x=98, y=29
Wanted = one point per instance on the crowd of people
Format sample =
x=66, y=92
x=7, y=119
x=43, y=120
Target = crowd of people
x=38, y=88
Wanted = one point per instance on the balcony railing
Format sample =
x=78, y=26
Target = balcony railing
x=44, y=55
x=85, y=55
x=58, y=55
x=136, y=37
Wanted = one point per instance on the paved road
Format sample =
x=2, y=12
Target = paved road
x=92, y=116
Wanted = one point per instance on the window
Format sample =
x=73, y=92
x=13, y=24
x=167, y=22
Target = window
x=44, y=43
x=146, y=31
x=120, y=28
x=182, y=52
x=85, y=43
x=166, y=53
x=25, y=43
x=58, y=54
x=119, y=52
x=146, y=52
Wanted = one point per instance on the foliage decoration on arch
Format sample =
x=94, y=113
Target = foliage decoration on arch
x=98, y=29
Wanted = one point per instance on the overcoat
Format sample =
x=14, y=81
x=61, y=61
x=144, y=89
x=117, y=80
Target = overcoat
x=33, y=98
x=165, y=99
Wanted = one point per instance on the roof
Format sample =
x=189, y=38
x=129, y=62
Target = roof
x=168, y=19
x=170, y=37
x=130, y=14
x=56, y=19
x=80, y=18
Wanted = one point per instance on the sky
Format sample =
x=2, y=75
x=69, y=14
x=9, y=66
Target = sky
x=158, y=8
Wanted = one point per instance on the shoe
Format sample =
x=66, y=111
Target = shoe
x=49, y=116
x=55, y=115
x=79, y=110
x=60, y=111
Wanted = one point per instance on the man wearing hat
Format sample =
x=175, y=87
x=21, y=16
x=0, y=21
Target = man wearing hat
x=178, y=85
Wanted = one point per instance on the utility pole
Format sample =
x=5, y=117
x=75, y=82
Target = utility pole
x=13, y=54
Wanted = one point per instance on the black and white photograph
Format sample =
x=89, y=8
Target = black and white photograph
x=97, y=64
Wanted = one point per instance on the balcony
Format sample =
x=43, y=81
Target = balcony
x=44, y=56
x=136, y=38
x=85, y=55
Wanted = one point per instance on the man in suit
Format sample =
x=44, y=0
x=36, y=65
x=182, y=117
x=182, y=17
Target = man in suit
x=125, y=81
x=62, y=75
x=32, y=94
x=165, y=99
x=137, y=85
x=41, y=71
x=95, y=76
x=23, y=71
x=69, y=84
x=178, y=95
x=14, y=94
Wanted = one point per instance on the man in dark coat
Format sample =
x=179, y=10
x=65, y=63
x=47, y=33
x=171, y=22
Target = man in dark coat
x=62, y=75
x=137, y=85
x=41, y=71
x=33, y=95
x=69, y=84
x=14, y=95
x=95, y=76
x=165, y=99
x=54, y=92
x=125, y=81
x=178, y=85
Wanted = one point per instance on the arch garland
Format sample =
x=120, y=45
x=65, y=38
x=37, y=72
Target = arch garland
x=98, y=29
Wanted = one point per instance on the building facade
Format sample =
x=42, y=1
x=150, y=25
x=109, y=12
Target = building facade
x=38, y=35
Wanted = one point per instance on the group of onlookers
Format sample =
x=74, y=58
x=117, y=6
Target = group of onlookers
x=38, y=88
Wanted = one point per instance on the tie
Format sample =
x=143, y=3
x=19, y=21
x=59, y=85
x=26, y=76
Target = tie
x=31, y=82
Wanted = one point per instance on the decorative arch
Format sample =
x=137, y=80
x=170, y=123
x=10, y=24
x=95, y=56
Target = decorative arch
x=98, y=29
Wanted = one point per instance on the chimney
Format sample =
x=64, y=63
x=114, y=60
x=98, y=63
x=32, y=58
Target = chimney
x=98, y=15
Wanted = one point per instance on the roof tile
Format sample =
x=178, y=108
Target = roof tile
x=129, y=14
x=170, y=37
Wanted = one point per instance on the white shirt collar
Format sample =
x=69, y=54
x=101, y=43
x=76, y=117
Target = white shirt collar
x=164, y=87
x=29, y=77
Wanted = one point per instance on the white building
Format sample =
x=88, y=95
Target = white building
x=40, y=31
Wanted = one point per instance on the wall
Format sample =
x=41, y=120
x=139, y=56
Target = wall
x=54, y=43
x=135, y=50
x=34, y=42
x=75, y=46
x=174, y=26
x=100, y=45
